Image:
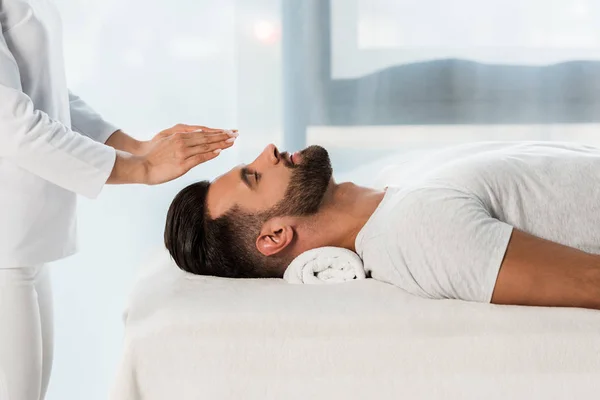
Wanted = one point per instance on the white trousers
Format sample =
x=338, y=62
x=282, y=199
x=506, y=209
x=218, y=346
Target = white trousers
x=26, y=333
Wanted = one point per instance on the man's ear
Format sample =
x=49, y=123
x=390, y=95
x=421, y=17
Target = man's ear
x=275, y=236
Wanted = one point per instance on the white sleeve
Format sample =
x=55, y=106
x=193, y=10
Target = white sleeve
x=455, y=247
x=32, y=140
x=87, y=121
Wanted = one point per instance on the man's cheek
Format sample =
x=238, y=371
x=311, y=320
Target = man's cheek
x=272, y=198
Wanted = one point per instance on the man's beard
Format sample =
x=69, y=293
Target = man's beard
x=308, y=184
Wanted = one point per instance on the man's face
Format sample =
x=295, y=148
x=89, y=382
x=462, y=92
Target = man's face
x=275, y=182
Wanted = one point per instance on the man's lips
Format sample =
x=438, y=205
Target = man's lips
x=296, y=158
x=291, y=160
x=287, y=159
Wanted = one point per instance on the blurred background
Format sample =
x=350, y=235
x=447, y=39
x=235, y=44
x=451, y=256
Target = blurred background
x=366, y=78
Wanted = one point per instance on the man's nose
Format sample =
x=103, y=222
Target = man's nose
x=271, y=154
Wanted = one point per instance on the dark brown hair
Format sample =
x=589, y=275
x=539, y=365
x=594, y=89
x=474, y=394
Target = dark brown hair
x=218, y=247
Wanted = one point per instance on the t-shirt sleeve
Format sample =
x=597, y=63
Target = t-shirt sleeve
x=451, y=244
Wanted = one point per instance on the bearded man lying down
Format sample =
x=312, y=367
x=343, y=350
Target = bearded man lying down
x=507, y=223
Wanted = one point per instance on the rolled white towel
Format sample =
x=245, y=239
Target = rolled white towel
x=325, y=265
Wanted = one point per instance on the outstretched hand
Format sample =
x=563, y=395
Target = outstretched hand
x=175, y=151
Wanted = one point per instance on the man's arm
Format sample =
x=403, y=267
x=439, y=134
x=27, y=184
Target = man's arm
x=538, y=272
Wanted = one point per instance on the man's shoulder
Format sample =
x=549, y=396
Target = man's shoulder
x=432, y=192
x=405, y=209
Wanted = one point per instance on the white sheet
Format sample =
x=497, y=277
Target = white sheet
x=193, y=337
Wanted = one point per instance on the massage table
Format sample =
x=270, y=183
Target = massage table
x=191, y=337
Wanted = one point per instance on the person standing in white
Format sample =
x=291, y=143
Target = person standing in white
x=53, y=146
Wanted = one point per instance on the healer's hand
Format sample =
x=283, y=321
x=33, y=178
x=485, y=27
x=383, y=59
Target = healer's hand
x=170, y=154
x=173, y=152
x=145, y=146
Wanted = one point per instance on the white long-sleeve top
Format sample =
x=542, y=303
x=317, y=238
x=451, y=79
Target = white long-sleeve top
x=51, y=143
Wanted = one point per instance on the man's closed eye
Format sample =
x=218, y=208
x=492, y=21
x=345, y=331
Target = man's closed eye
x=250, y=178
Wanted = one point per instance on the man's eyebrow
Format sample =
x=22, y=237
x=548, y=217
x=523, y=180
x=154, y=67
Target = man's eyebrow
x=244, y=172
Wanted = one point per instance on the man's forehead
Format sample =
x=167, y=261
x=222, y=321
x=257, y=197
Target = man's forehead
x=221, y=194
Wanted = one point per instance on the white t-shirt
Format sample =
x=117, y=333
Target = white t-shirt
x=442, y=229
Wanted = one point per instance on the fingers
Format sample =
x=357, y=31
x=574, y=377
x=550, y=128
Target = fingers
x=198, y=159
x=195, y=139
x=208, y=147
x=183, y=128
x=195, y=128
x=186, y=155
